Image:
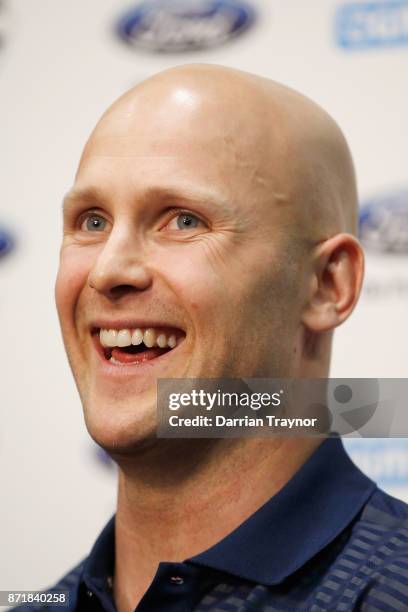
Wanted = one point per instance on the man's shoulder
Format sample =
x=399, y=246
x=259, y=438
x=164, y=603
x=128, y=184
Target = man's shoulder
x=377, y=554
x=381, y=532
x=67, y=584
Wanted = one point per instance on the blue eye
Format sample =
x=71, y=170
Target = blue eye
x=186, y=221
x=95, y=222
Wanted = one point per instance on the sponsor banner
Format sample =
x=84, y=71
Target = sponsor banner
x=384, y=223
x=220, y=408
x=6, y=241
x=385, y=461
x=383, y=231
x=365, y=25
x=184, y=25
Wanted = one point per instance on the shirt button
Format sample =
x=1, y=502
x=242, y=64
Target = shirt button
x=176, y=580
x=89, y=594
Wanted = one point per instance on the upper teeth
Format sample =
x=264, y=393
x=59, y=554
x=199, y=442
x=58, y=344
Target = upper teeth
x=127, y=337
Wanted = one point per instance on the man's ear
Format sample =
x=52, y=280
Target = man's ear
x=337, y=276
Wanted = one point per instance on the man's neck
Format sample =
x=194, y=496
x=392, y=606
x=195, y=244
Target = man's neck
x=188, y=495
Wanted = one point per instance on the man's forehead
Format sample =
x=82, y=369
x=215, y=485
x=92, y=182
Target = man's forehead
x=181, y=148
x=227, y=159
x=174, y=136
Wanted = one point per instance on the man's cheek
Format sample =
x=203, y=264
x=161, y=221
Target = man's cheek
x=72, y=275
x=191, y=277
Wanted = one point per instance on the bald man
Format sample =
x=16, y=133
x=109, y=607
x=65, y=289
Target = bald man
x=211, y=232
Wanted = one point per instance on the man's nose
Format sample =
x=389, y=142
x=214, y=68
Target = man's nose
x=120, y=267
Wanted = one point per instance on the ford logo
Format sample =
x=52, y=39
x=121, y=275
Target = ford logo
x=384, y=223
x=184, y=25
x=6, y=242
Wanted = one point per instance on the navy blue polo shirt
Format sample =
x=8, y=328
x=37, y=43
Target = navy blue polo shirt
x=329, y=540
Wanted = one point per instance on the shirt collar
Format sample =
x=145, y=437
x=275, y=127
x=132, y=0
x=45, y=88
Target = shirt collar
x=314, y=507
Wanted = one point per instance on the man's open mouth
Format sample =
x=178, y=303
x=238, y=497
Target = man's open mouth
x=137, y=345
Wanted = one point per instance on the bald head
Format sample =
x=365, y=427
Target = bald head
x=285, y=147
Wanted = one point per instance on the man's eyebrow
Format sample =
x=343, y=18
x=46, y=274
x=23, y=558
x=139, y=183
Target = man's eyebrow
x=90, y=195
x=192, y=194
x=93, y=196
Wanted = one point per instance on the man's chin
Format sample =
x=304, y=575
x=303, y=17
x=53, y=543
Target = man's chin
x=120, y=430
